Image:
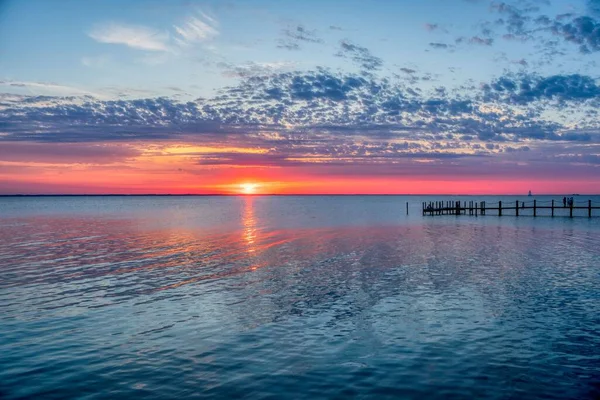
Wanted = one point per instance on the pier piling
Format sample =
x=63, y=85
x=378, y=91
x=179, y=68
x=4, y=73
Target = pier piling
x=472, y=207
x=571, y=210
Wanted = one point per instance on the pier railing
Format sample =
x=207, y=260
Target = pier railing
x=534, y=208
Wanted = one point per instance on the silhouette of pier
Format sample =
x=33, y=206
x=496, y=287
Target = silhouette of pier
x=533, y=208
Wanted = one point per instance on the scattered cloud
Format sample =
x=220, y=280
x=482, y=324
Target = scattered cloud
x=360, y=55
x=302, y=34
x=49, y=88
x=66, y=153
x=293, y=37
x=409, y=71
x=253, y=68
x=325, y=105
x=527, y=88
x=481, y=41
x=196, y=29
x=288, y=45
x=435, y=28
x=134, y=36
x=583, y=31
x=593, y=7
x=436, y=45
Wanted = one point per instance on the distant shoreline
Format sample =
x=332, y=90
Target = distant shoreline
x=284, y=195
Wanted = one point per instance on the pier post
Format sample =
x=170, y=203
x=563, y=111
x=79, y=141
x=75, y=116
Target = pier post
x=571, y=211
x=476, y=204
x=589, y=209
x=483, y=208
x=517, y=208
x=553, y=207
x=534, y=208
x=500, y=208
x=407, y=208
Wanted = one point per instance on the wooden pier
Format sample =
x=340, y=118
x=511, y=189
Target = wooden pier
x=534, y=208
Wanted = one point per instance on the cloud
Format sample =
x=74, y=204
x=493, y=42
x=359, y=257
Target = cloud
x=302, y=34
x=293, y=37
x=360, y=55
x=521, y=62
x=593, y=7
x=66, y=153
x=196, y=29
x=409, y=71
x=525, y=23
x=481, y=41
x=527, y=88
x=321, y=107
x=49, y=88
x=515, y=19
x=134, y=36
x=584, y=31
x=440, y=45
x=253, y=68
x=288, y=45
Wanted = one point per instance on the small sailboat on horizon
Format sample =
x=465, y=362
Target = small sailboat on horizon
x=529, y=193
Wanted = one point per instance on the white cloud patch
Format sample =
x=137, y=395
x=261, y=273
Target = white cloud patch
x=196, y=29
x=255, y=69
x=45, y=88
x=199, y=28
x=134, y=36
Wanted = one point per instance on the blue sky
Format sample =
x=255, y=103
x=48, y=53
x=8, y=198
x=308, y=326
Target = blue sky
x=69, y=42
x=373, y=86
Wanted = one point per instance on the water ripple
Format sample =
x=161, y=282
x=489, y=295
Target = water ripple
x=114, y=308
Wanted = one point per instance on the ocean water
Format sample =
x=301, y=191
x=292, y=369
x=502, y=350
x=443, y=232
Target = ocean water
x=294, y=297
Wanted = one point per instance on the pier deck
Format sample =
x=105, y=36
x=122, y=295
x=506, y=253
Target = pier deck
x=533, y=208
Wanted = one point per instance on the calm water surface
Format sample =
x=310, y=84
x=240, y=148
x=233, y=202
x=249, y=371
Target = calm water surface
x=295, y=297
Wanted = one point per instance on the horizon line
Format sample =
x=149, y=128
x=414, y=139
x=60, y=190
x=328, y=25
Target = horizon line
x=278, y=194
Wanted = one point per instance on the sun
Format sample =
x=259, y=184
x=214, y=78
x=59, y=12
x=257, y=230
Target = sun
x=248, y=188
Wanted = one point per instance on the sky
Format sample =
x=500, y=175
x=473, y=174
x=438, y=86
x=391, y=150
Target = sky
x=306, y=97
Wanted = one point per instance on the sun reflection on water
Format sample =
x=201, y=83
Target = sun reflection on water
x=250, y=225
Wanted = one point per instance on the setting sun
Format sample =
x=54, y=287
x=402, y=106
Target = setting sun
x=249, y=188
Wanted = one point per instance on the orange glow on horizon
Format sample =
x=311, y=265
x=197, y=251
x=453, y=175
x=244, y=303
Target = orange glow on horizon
x=178, y=168
x=249, y=188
